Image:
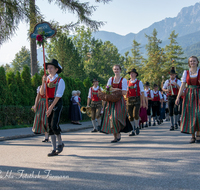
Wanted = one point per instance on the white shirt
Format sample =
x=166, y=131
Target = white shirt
x=164, y=97
x=124, y=82
x=61, y=85
x=38, y=89
x=151, y=92
x=184, y=76
x=75, y=98
x=89, y=93
x=140, y=84
x=158, y=93
x=168, y=81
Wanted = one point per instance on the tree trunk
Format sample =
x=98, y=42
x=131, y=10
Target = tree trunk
x=33, y=46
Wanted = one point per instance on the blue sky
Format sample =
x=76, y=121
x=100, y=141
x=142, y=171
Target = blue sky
x=121, y=17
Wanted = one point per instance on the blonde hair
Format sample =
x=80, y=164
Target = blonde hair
x=194, y=58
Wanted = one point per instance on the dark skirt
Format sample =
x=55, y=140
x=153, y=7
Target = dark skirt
x=75, y=112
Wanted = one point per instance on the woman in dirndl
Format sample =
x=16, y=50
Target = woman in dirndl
x=191, y=106
x=114, y=119
x=143, y=112
x=40, y=119
x=75, y=109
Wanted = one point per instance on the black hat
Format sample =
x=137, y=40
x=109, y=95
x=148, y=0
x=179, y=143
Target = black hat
x=155, y=85
x=147, y=84
x=133, y=70
x=95, y=80
x=55, y=63
x=172, y=71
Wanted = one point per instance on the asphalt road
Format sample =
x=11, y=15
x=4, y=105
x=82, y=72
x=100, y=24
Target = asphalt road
x=155, y=159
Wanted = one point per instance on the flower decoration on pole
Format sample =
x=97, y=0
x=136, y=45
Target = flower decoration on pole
x=41, y=32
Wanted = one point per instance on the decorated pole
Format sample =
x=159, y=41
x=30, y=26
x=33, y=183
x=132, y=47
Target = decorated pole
x=41, y=32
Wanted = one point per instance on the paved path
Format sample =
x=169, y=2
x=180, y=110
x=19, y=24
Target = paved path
x=157, y=159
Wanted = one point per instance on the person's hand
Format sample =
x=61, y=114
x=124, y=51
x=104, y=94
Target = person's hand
x=141, y=105
x=34, y=108
x=161, y=105
x=177, y=101
x=44, y=78
x=48, y=113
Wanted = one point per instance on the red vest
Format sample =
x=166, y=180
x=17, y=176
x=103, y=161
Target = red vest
x=94, y=95
x=193, y=81
x=148, y=93
x=156, y=97
x=133, y=89
x=51, y=87
x=79, y=99
x=115, y=85
x=174, y=88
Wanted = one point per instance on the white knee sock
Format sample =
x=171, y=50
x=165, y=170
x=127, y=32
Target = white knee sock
x=53, y=142
x=94, y=124
x=133, y=125
x=137, y=123
x=149, y=118
x=99, y=121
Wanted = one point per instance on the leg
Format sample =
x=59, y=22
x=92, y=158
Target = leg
x=93, y=110
x=130, y=113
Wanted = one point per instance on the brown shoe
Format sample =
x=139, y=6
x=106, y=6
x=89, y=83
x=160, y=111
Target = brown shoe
x=192, y=140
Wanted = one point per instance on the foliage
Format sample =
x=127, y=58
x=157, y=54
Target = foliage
x=21, y=58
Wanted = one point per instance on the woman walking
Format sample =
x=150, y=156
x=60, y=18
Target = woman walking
x=115, y=114
x=191, y=108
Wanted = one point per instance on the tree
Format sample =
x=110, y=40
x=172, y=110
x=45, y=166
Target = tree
x=21, y=58
x=152, y=70
x=12, y=12
x=16, y=95
x=173, y=55
x=134, y=61
x=4, y=98
x=63, y=49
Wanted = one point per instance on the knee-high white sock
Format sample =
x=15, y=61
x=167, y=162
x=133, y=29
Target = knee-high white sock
x=136, y=123
x=133, y=125
x=46, y=135
x=179, y=117
x=154, y=119
x=99, y=121
x=94, y=124
x=59, y=139
x=53, y=142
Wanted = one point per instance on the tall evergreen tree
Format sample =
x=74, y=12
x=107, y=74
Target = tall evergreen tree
x=152, y=70
x=173, y=55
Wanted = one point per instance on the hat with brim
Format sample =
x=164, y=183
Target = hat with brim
x=134, y=71
x=155, y=85
x=55, y=63
x=172, y=71
x=95, y=80
x=147, y=84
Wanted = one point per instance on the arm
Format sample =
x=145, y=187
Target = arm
x=36, y=102
x=44, y=78
x=142, y=100
x=52, y=106
x=180, y=92
x=88, y=102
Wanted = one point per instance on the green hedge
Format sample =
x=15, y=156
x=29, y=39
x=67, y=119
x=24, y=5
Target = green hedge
x=18, y=92
x=17, y=115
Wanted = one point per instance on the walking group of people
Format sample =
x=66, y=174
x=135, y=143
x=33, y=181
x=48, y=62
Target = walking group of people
x=134, y=110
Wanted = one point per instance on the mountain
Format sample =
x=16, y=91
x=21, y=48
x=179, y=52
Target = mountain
x=186, y=23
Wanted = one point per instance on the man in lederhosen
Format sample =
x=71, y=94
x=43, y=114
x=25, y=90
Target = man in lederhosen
x=150, y=98
x=172, y=86
x=157, y=104
x=96, y=104
x=135, y=94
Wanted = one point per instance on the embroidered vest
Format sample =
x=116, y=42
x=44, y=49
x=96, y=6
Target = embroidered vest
x=52, y=87
x=133, y=89
x=94, y=95
x=156, y=96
